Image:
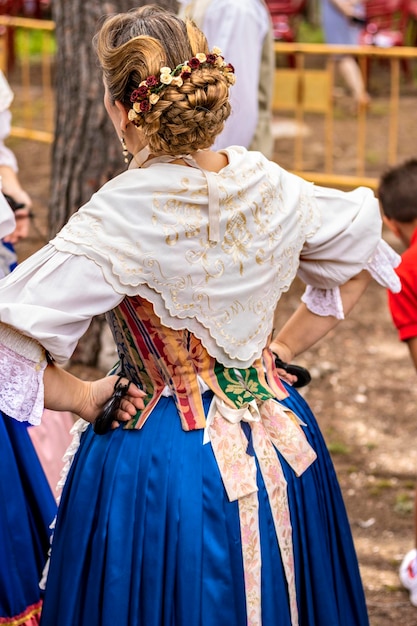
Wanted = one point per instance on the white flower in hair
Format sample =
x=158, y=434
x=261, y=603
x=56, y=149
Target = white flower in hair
x=149, y=90
x=132, y=115
x=166, y=79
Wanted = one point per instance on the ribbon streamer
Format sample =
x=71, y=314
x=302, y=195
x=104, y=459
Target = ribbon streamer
x=273, y=428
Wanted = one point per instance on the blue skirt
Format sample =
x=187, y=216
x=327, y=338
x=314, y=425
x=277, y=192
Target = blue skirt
x=146, y=536
x=27, y=509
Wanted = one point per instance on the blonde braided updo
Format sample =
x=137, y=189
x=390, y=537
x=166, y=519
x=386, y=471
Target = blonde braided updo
x=135, y=45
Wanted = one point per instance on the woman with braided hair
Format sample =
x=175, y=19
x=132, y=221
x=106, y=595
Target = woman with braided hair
x=200, y=491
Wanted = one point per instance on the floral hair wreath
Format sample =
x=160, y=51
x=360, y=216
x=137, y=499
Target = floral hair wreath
x=148, y=92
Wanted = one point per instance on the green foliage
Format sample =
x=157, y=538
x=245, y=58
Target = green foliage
x=377, y=488
x=34, y=42
x=404, y=504
x=310, y=33
x=373, y=158
x=337, y=447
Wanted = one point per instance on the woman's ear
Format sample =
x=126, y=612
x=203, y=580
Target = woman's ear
x=124, y=120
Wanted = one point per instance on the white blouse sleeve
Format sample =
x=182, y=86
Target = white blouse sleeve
x=22, y=362
x=52, y=297
x=348, y=241
x=46, y=304
x=7, y=219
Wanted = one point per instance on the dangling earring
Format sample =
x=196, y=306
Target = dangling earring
x=125, y=150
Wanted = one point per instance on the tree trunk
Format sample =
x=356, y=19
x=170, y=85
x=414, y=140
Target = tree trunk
x=86, y=152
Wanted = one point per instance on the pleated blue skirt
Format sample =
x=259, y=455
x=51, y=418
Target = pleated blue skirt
x=27, y=508
x=146, y=536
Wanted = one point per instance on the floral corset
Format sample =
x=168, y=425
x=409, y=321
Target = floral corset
x=157, y=357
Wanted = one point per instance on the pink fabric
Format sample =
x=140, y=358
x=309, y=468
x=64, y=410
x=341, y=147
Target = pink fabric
x=51, y=439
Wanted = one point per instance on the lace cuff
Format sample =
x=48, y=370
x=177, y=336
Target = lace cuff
x=381, y=264
x=22, y=363
x=324, y=301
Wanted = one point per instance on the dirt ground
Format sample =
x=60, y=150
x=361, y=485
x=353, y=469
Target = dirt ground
x=363, y=392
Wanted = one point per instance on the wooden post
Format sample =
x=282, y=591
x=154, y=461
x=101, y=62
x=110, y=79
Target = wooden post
x=3, y=49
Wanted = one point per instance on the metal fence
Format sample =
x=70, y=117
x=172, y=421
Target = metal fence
x=27, y=53
x=374, y=136
x=304, y=93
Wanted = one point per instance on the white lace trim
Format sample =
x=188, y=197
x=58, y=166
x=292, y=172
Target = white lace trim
x=380, y=266
x=22, y=363
x=76, y=431
x=324, y=301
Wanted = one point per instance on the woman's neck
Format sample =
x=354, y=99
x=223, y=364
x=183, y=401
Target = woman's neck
x=140, y=157
x=205, y=159
x=210, y=160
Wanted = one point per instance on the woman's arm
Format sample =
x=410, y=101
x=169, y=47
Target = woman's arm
x=65, y=392
x=305, y=328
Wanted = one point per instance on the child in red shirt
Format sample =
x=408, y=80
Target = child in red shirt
x=398, y=199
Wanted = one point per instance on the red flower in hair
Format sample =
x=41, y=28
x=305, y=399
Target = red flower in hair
x=134, y=95
x=149, y=90
x=151, y=81
x=142, y=91
x=194, y=63
x=145, y=106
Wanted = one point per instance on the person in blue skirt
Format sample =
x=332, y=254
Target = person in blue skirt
x=200, y=491
x=27, y=504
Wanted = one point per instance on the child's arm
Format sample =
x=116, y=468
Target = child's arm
x=412, y=346
x=305, y=328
